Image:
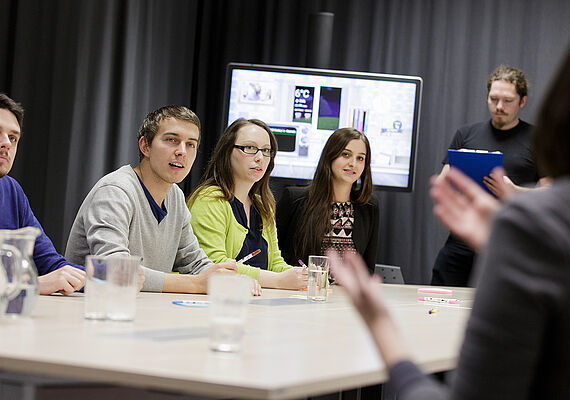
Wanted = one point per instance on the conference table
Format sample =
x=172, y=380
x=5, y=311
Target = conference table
x=292, y=348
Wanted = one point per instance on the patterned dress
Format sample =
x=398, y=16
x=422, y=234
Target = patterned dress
x=340, y=236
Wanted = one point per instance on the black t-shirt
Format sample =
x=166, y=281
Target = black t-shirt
x=515, y=144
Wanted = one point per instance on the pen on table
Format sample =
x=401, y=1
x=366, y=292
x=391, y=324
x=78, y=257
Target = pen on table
x=439, y=300
x=250, y=255
x=191, y=303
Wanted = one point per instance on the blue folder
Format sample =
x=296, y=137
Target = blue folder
x=475, y=164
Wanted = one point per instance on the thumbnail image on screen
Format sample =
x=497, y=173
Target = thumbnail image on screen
x=329, y=109
x=303, y=106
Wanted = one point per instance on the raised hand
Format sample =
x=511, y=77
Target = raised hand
x=463, y=207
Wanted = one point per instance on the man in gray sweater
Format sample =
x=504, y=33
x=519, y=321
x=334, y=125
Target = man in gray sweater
x=140, y=211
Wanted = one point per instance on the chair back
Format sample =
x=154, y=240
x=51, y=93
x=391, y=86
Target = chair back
x=389, y=273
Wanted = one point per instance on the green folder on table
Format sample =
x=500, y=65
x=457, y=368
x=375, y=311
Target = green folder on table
x=475, y=163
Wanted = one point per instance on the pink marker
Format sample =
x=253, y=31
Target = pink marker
x=439, y=300
x=435, y=290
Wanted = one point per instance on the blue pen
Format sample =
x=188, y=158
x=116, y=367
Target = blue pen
x=191, y=303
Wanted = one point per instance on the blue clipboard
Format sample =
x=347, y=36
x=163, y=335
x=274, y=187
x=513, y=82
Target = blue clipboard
x=475, y=164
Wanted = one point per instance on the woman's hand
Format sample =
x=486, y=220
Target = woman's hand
x=255, y=287
x=294, y=278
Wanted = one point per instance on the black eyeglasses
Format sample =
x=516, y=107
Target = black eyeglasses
x=253, y=150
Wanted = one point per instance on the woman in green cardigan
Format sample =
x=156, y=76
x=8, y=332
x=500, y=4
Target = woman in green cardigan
x=233, y=209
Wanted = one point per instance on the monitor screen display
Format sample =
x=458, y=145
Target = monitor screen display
x=304, y=106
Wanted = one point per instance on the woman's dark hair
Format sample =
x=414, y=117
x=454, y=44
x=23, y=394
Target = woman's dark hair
x=552, y=134
x=219, y=171
x=315, y=218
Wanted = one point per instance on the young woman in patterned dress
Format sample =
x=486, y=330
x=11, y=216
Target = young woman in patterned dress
x=337, y=210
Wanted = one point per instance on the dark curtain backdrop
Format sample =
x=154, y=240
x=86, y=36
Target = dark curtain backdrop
x=87, y=73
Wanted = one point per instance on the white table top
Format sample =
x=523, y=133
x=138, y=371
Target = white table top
x=289, y=350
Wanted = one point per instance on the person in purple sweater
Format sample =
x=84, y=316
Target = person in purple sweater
x=55, y=273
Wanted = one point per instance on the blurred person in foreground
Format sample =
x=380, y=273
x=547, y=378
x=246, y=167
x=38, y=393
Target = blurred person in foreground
x=517, y=344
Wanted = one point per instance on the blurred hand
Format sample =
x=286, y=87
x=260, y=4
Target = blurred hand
x=294, y=278
x=366, y=295
x=463, y=207
x=65, y=280
x=364, y=290
x=500, y=185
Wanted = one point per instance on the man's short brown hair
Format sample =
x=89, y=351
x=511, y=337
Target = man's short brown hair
x=152, y=121
x=512, y=75
x=7, y=103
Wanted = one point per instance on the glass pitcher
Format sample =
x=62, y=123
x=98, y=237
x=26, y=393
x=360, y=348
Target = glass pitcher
x=24, y=240
x=10, y=273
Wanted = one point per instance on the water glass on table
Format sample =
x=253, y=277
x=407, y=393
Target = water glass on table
x=229, y=296
x=317, y=282
x=111, y=287
x=123, y=281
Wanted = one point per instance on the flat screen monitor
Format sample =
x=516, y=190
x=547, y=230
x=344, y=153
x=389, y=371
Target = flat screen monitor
x=304, y=106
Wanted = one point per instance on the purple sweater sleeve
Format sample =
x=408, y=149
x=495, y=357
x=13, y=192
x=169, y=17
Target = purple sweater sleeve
x=16, y=213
